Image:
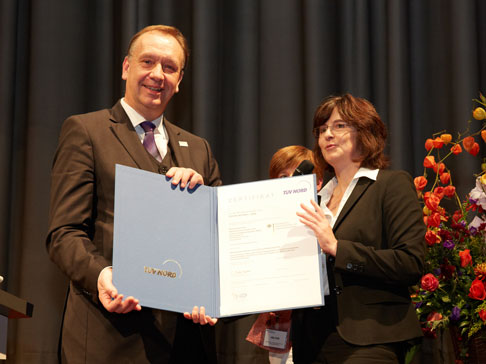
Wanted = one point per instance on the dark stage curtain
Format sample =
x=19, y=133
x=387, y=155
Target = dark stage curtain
x=258, y=70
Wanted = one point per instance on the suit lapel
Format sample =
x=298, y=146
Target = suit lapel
x=180, y=145
x=359, y=189
x=126, y=134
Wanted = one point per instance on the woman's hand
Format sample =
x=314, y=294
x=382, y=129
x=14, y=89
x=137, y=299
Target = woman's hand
x=317, y=221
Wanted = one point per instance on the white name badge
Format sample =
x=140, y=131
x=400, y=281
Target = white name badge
x=275, y=339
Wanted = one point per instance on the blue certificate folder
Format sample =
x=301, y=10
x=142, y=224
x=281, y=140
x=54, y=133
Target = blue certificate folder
x=165, y=245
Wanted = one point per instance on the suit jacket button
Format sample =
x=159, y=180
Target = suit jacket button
x=338, y=290
x=163, y=170
x=331, y=259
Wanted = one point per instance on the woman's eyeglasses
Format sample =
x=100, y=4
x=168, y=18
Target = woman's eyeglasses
x=338, y=127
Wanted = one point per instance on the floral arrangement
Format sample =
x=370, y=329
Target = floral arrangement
x=452, y=291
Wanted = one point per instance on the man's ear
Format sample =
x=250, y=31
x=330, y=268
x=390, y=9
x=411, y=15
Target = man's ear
x=125, y=67
x=178, y=82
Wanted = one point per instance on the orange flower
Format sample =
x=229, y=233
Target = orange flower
x=432, y=202
x=465, y=258
x=456, y=149
x=429, y=144
x=480, y=271
x=479, y=113
x=474, y=149
x=432, y=238
x=483, y=135
x=433, y=220
x=457, y=215
x=438, y=143
x=467, y=143
x=449, y=191
x=446, y=138
x=429, y=161
x=434, y=316
x=440, y=167
x=445, y=178
x=420, y=183
x=439, y=191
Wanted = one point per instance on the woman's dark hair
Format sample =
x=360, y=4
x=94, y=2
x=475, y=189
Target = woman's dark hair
x=362, y=116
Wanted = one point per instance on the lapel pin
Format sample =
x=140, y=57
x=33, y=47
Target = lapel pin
x=183, y=143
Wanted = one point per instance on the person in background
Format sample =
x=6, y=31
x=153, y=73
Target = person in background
x=282, y=164
x=100, y=324
x=285, y=160
x=369, y=224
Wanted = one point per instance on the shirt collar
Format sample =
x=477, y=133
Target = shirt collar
x=366, y=172
x=136, y=118
x=327, y=190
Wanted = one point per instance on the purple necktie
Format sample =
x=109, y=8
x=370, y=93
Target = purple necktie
x=149, y=141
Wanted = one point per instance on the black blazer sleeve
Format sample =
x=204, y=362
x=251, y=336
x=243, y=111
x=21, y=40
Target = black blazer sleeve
x=383, y=238
x=381, y=250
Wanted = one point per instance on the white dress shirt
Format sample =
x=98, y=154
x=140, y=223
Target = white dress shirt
x=328, y=189
x=326, y=193
x=160, y=134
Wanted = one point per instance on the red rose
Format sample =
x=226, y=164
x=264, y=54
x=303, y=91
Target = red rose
x=420, y=183
x=429, y=283
x=465, y=258
x=477, y=290
x=482, y=315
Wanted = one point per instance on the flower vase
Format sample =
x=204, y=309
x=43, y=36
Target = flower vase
x=476, y=353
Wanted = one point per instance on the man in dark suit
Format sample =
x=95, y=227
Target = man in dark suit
x=101, y=325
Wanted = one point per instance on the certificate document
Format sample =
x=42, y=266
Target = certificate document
x=234, y=249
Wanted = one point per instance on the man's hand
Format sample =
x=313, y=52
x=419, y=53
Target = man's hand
x=185, y=176
x=109, y=297
x=200, y=317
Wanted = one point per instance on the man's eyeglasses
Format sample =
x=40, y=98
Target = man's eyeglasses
x=338, y=127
